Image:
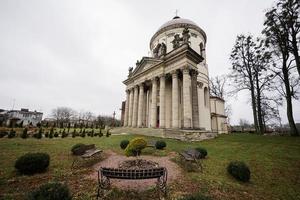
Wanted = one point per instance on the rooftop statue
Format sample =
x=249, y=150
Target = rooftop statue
x=186, y=36
x=162, y=50
x=176, y=41
x=156, y=50
x=130, y=71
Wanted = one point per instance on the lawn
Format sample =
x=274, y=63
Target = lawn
x=274, y=162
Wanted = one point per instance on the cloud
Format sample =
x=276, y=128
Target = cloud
x=76, y=53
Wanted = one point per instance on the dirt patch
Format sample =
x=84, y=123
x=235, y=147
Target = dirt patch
x=113, y=160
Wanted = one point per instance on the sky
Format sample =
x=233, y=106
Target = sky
x=76, y=53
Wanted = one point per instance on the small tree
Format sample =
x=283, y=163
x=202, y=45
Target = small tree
x=51, y=133
x=135, y=147
x=24, y=133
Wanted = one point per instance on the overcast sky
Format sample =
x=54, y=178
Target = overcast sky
x=76, y=53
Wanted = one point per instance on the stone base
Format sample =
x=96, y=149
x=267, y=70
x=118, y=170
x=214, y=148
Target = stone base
x=189, y=135
x=179, y=134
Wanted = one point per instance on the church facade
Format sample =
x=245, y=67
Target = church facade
x=170, y=89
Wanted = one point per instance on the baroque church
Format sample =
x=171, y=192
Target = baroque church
x=170, y=89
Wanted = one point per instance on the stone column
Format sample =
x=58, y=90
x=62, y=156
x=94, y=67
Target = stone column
x=195, y=106
x=130, y=107
x=126, y=109
x=162, y=102
x=154, y=103
x=135, y=106
x=187, y=103
x=141, y=105
x=175, y=121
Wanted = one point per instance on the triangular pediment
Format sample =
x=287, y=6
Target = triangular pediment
x=144, y=64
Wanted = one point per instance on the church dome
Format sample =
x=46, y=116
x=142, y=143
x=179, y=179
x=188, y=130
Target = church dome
x=178, y=22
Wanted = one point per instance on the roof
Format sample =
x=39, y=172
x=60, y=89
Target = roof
x=178, y=22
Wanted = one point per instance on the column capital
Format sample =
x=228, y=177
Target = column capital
x=186, y=69
x=200, y=84
x=154, y=79
x=194, y=72
x=162, y=76
x=174, y=73
x=141, y=84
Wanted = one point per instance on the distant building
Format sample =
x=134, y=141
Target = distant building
x=23, y=117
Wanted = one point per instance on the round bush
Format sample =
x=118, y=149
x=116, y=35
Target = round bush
x=32, y=163
x=124, y=144
x=239, y=170
x=11, y=134
x=78, y=149
x=160, y=144
x=202, y=151
x=135, y=147
x=55, y=134
x=51, y=191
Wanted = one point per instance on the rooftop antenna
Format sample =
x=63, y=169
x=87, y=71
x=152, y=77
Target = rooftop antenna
x=176, y=13
x=13, y=106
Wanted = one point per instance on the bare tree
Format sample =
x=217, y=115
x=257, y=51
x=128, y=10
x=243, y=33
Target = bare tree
x=242, y=72
x=288, y=12
x=217, y=86
x=62, y=115
x=277, y=34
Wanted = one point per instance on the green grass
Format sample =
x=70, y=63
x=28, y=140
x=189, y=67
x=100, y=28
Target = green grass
x=274, y=163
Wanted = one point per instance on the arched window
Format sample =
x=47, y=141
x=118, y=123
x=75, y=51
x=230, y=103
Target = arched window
x=206, y=100
x=201, y=49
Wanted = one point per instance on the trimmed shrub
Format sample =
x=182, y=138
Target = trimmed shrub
x=76, y=149
x=92, y=133
x=64, y=134
x=11, y=134
x=51, y=191
x=39, y=134
x=108, y=133
x=51, y=133
x=124, y=144
x=56, y=134
x=197, y=196
x=32, y=163
x=135, y=147
x=24, y=134
x=100, y=133
x=239, y=170
x=82, y=134
x=160, y=144
x=47, y=134
x=3, y=133
x=202, y=151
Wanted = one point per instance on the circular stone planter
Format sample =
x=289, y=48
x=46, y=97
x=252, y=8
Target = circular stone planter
x=138, y=164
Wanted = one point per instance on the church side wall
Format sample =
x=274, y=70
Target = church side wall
x=204, y=110
x=168, y=97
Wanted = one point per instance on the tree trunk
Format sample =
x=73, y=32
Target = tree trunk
x=254, y=107
x=295, y=53
x=259, y=112
x=288, y=96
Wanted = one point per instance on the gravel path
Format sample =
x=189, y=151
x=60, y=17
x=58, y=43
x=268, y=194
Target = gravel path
x=113, y=160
